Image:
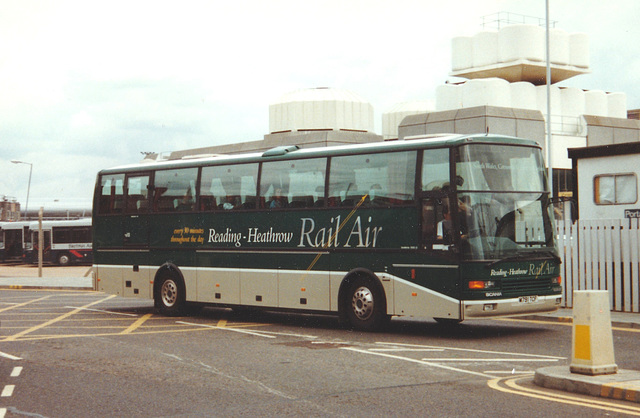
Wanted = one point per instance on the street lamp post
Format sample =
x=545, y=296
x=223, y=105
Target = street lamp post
x=26, y=206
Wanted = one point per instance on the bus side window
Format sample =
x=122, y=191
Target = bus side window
x=380, y=179
x=174, y=190
x=428, y=223
x=437, y=227
x=228, y=187
x=293, y=184
x=111, y=198
x=137, y=194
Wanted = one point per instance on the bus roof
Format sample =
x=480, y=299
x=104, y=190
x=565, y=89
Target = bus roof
x=293, y=152
x=8, y=225
x=47, y=224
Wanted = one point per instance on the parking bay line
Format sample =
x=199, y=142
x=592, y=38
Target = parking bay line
x=54, y=320
x=411, y=360
x=136, y=324
x=17, y=305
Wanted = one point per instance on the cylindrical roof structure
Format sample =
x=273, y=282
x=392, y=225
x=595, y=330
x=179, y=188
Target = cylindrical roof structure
x=321, y=108
x=521, y=42
x=523, y=95
x=486, y=92
x=596, y=103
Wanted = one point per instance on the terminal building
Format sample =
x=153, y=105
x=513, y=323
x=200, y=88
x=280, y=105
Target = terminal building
x=501, y=89
x=9, y=209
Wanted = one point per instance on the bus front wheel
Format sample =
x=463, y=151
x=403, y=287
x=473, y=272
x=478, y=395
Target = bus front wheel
x=365, y=306
x=169, y=297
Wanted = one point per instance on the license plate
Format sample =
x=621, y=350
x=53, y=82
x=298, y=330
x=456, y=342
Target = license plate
x=528, y=299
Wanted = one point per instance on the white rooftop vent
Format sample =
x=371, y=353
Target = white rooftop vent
x=321, y=108
x=517, y=53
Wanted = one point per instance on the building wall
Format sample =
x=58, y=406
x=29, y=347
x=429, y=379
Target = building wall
x=588, y=169
x=522, y=123
x=9, y=210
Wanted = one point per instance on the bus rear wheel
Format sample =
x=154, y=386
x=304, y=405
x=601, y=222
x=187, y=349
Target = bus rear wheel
x=169, y=296
x=365, y=306
x=64, y=259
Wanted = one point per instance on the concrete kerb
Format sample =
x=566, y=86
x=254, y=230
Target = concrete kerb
x=623, y=385
x=54, y=278
x=52, y=283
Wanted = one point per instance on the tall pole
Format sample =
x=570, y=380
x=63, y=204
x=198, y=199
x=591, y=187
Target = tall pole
x=40, y=241
x=549, y=153
x=26, y=207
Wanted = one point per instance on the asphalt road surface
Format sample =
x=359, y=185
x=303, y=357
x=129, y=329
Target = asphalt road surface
x=83, y=353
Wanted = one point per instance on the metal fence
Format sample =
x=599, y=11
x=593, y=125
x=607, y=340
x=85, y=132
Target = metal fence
x=601, y=255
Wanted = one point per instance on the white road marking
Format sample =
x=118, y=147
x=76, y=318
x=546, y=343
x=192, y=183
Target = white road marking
x=241, y=331
x=513, y=371
x=101, y=310
x=16, y=371
x=471, y=350
x=496, y=360
x=7, y=391
x=9, y=356
x=408, y=349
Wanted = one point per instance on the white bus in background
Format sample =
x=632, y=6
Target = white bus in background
x=65, y=242
x=14, y=241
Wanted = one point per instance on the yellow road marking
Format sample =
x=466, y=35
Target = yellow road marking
x=107, y=334
x=24, y=303
x=54, y=320
x=136, y=324
x=578, y=400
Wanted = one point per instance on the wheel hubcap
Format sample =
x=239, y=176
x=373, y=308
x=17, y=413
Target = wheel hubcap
x=169, y=293
x=362, y=303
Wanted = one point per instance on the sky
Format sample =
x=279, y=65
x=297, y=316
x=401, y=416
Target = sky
x=91, y=85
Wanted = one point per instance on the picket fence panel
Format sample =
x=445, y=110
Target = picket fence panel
x=601, y=255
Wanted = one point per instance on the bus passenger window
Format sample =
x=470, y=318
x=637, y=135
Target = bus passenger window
x=293, y=183
x=228, y=187
x=384, y=179
x=111, y=197
x=137, y=194
x=175, y=190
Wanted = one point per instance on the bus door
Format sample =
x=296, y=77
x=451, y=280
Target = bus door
x=439, y=227
x=13, y=243
x=136, y=221
x=46, y=247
